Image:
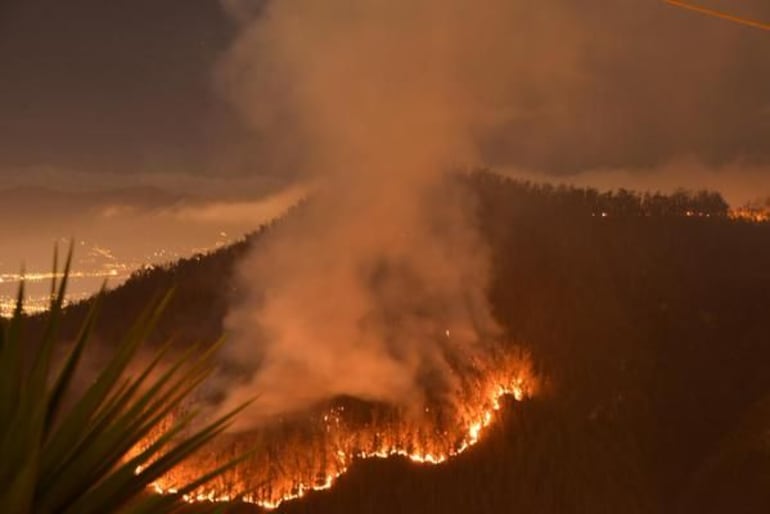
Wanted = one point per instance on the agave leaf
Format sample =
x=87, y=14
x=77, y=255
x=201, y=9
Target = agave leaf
x=127, y=473
x=75, y=461
x=80, y=426
x=62, y=384
x=155, y=502
x=124, y=430
x=155, y=404
x=105, y=450
x=69, y=434
x=35, y=385
x=21, y=424
x=11, y=362
x=17, y=497
x=124, y=483
x=116, y=402
x=192, y=486
x=169, y=459
x=42, y=361
x=55, y=269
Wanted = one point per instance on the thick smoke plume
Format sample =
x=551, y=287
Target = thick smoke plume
x=376, y=287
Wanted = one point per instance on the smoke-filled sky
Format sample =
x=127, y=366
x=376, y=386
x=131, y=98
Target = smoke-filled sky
x=376, y=289
x=591, y=87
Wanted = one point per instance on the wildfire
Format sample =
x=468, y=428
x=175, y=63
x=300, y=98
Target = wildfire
x=298, y=457
x=752, y=214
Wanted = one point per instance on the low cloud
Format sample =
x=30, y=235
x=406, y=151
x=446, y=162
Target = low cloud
x=738, y=183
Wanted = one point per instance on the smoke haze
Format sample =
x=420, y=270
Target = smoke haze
x=372, y=101
x=381, y=277
x=632, y=85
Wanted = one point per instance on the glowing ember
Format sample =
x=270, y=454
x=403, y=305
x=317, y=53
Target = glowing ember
x=295, y=458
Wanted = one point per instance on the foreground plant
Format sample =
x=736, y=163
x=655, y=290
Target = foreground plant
x=75, y=460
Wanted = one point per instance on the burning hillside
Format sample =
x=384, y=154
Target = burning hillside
x=308, y=453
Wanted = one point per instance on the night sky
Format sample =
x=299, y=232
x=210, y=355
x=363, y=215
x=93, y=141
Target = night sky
x=124, y=85
x=130, y=86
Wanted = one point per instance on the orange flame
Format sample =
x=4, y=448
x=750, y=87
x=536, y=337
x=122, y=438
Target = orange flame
x=296, y=460
x=751, y=214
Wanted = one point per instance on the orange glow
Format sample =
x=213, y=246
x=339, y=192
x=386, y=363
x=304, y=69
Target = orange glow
x=753, y=214
x=294, y=460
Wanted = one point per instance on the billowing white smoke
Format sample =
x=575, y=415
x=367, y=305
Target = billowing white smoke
x=380, y=278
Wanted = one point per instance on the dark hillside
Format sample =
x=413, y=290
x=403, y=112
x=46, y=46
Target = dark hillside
x=649, y=317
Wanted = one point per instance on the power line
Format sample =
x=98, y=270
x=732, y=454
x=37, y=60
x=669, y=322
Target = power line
x=719, y=14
